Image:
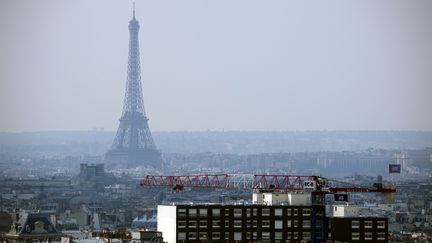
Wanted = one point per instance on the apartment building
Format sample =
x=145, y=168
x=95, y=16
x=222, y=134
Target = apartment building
x=241, y=223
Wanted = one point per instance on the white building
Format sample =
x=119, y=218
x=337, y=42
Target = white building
x=281, y=198
x=346, y=210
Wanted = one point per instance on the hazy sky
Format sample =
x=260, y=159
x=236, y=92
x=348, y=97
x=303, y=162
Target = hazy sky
x=226, y=64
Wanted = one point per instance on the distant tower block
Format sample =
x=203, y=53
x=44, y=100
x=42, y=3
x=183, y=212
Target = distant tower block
x=133, y=144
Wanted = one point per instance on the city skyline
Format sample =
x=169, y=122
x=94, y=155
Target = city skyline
x=246, y=65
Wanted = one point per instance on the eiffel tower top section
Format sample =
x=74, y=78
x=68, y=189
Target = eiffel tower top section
x=133, y=106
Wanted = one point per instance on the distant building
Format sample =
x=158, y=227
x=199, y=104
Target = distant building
x=144, y=236
x=5, y=222
x=91, y=172
x=31, y=228
x=88, y=171
x=146, y=221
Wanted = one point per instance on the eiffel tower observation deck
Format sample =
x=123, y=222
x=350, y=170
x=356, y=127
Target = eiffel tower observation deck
x=133, y=144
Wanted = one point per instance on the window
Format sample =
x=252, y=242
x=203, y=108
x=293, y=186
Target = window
x=266, y=212
x=278, y=224
x=203, y=224
x=203, y=235
x=216, y=235
x=381, y=236
x=254, y=235
x=203, y=212
x=295, y=235
x=237, y=223
x=306, y=212
x=266, y=235
x=216, y=223
x=265, y=223
x=227, y=212
x=254, y=223
x=226, y=223
x=295, y=223
x=278, y=235
x=248, y=212
x=248, y=223
x=289, y=223
x=192, y=224
x=368, y=224
x=278, y=212
x=226, y=235
x=355, y=236
x=192, y=212
x=368, y=235
x=237, y=236
x=182, y=212
x=355, y=224
x=181, y=224
x=306, y=224
x=237, y=212
x=306, y=235
x=255, y=212
x=181, y=235
x=319, y=223
x=192, y=235
x=381, y=224
x=248, y=235
x=288, y=212
x=295, y=212
x=216, y=212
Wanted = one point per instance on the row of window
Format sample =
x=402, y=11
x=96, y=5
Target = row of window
x=265, y=223
x=238, y=212
x=368, y=224
x=238, y=235
x=368, y=236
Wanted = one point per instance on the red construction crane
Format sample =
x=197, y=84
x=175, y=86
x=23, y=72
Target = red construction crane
x=315, y=184
x=178, y=182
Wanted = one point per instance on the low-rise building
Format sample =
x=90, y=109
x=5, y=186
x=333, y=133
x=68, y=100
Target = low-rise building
x=31, y=228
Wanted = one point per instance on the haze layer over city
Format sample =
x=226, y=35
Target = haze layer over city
x=215, y=121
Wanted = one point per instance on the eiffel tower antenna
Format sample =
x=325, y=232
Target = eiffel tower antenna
x=133, y=10
x=133, y=144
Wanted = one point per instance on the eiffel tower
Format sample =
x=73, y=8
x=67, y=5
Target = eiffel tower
x=133, y=144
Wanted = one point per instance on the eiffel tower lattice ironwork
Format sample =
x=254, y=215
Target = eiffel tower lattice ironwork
x=133, y=144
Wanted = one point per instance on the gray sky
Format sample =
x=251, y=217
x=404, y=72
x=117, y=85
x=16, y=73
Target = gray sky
x=232, y=65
